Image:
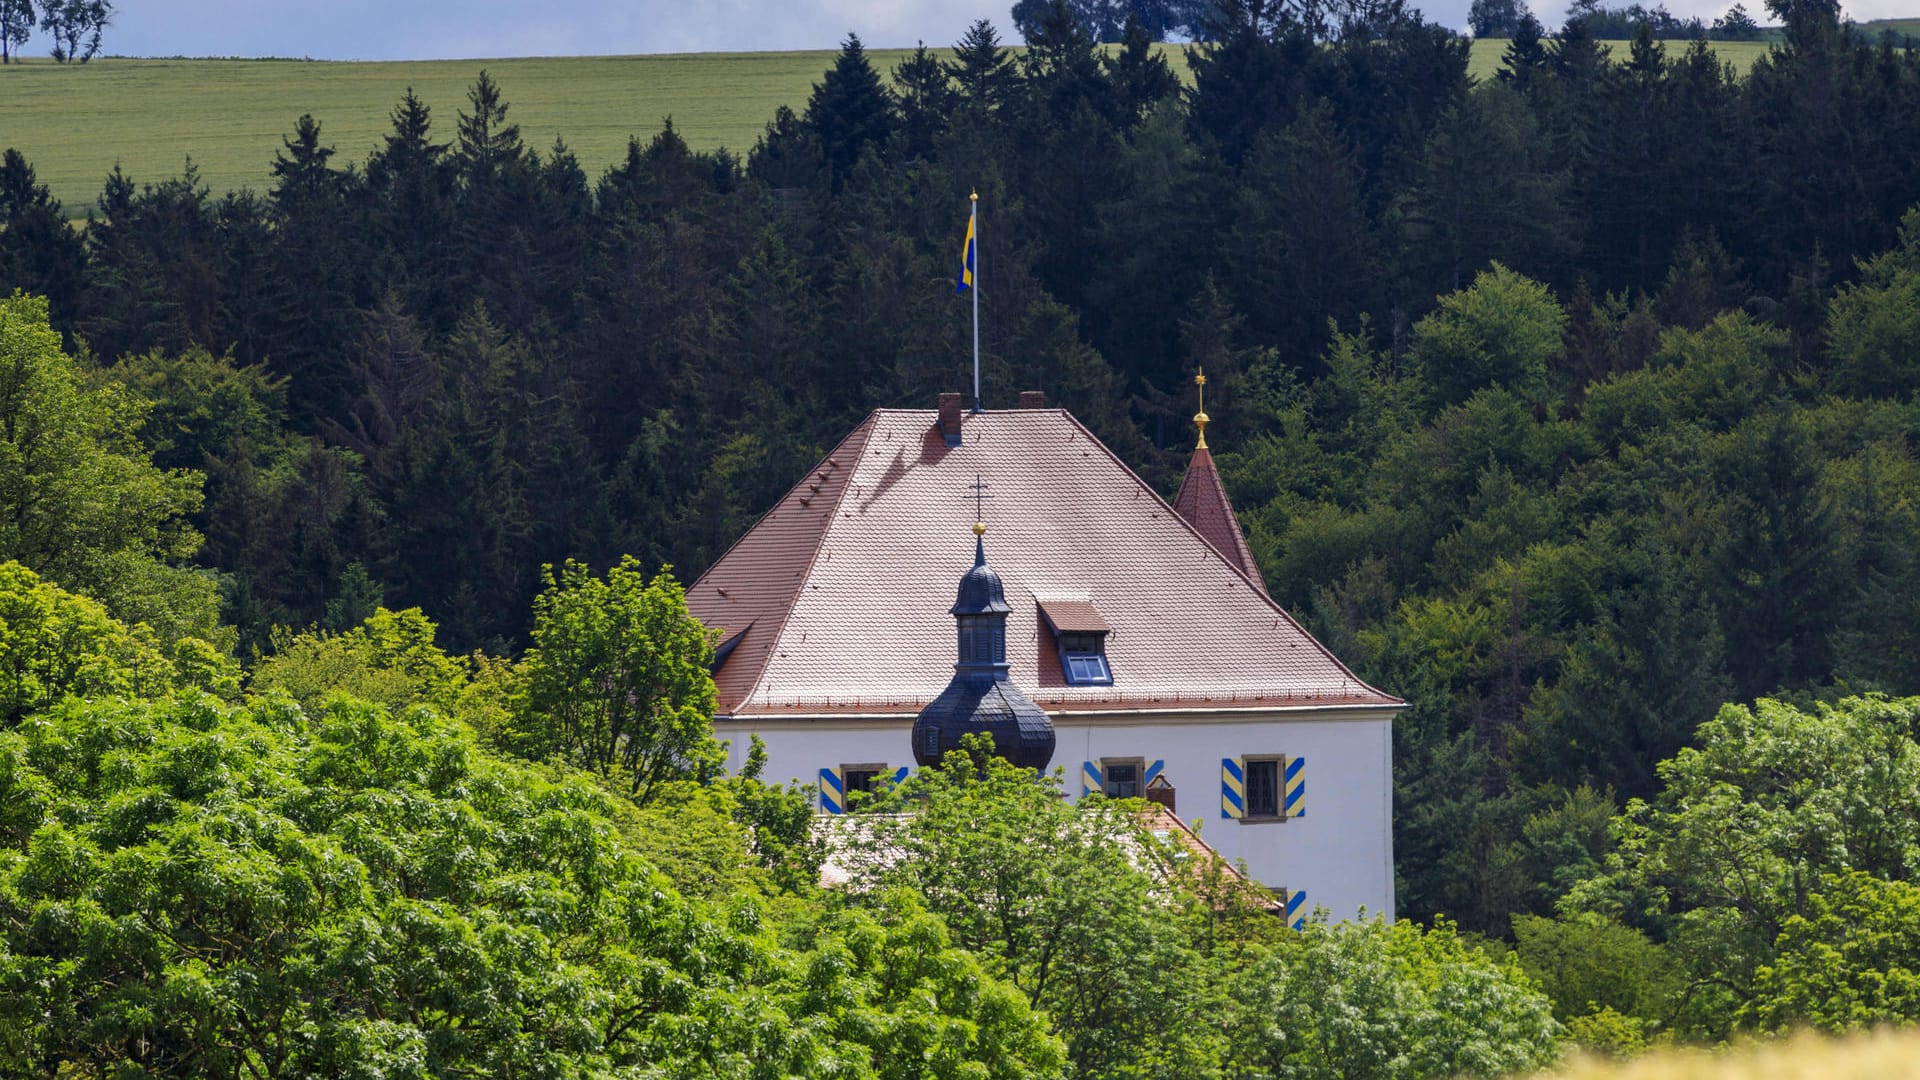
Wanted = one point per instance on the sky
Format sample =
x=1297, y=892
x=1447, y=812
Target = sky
x=463, y=29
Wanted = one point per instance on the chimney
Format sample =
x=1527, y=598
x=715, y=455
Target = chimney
x=1033, y=399
x=1161, y=793
x=950, y=418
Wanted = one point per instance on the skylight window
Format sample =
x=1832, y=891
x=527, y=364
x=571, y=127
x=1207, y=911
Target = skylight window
x=1086, y=669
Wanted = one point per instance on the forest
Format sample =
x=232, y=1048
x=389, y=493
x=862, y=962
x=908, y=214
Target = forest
x=1575, y=406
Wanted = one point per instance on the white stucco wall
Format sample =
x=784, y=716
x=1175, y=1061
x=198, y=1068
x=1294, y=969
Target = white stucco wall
x=1340, y=852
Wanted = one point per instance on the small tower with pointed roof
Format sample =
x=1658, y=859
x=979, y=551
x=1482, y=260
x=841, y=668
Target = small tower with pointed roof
x=980, y=698
x=1202, y=501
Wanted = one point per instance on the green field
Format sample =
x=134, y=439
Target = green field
x=150, y=116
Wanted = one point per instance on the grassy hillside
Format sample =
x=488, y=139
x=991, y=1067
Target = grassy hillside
x=229, y=115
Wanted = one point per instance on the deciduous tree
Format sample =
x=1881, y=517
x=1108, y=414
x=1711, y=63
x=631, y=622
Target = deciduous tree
x=1774, y=807
x=1495, y=18
x=16, y=26
x=617, y=679
x=1060, y=899
x=81, y=501
x=76, y=26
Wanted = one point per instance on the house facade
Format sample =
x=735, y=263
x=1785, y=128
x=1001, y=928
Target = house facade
x=1141, y=628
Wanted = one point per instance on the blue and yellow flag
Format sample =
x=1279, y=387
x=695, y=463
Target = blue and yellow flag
x=966, y=260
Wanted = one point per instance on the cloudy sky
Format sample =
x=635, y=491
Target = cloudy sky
x=432, y=29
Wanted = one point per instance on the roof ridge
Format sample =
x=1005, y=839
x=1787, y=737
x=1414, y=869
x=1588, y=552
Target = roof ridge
x=1259, y=590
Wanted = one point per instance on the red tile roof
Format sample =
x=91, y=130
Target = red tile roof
x=1072, y=616
x=844, y=585
x=1203, y=502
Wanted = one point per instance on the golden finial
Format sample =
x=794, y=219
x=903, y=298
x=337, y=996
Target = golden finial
x=979, y=528
x=975, y=197
x=1201, y=418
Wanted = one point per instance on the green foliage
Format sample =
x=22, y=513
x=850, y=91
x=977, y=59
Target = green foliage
x=81, y=501
x=780, y=822
x=1059, y=899
x=691, y=833
x=1590, y=965
x=1606, y=1033
x=1381, y=1000
x=16, y=26
x=280, y=508
x=190, y=889
x=1772, y=808
x=618, y=679
x=1873, y=324
x=1852, y=961
x=1500, y=332
x=76, y=26
x=55, y=645
x=390, y=660
x=932, y=1010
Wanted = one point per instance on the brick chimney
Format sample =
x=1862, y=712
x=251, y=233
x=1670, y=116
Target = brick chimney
x=1033, y=399
x=950, y=413
x=1163, y=795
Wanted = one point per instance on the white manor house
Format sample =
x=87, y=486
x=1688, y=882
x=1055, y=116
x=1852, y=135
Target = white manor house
x=1142, y=630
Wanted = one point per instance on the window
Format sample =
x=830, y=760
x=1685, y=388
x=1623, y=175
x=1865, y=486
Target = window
x=1122, y=777
x=1263, y=787
x=861, y=778
x=1086, y=669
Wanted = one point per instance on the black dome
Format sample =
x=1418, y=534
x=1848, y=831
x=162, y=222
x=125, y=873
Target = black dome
x=978, y=703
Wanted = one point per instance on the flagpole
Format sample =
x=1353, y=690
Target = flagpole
x=973, y=227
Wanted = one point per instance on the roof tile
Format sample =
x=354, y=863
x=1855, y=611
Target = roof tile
x=848, y=595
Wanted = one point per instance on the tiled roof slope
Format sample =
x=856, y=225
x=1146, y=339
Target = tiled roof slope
x=842, y=589
x=1203, y=502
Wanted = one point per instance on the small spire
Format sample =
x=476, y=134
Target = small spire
x=1201, y=419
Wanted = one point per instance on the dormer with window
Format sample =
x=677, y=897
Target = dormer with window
x=1080, y=636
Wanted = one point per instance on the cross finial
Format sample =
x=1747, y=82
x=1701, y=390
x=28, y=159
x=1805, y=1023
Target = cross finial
x=1200, y=419
x=979, y=496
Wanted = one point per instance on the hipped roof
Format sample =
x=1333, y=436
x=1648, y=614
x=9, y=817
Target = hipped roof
x=836, y=601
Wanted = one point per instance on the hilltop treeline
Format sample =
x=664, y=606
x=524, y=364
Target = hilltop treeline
x=1567, y=405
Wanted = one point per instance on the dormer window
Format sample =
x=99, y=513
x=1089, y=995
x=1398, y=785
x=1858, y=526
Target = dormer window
x=1080, y=636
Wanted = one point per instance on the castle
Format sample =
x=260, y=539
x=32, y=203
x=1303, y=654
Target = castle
x=1141, y=629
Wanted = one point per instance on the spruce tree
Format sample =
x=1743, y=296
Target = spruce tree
x=1526, y=56
x=300, y=171
x=487, y=142
x=982, y=70
x=850, y=110
x=926, y=100
x=39, y=254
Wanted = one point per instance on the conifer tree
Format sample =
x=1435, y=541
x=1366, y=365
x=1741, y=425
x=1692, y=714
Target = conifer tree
x=982, y=70
x=926, y=100
x=850, y=109
x=487, y=142
x=38, y=253
x=1526, y=56
x=300, y=170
